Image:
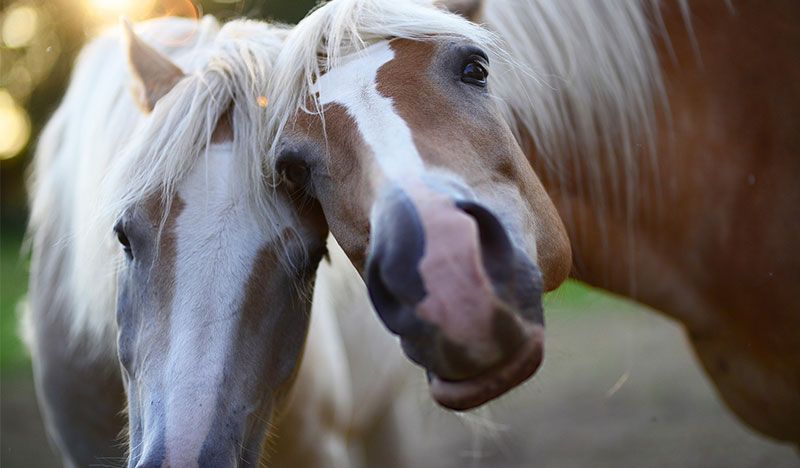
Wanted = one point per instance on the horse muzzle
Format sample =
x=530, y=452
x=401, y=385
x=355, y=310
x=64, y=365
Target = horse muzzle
x=444, y=275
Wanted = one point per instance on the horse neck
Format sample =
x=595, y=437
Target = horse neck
x=719, y=71
x=711, y=244
x=720, y=255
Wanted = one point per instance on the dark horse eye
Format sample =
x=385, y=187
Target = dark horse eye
x=123, y=239
x=294, y=171
x=296, y=174
x=474, y=73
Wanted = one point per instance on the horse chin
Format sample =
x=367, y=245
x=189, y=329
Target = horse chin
x=462, y=395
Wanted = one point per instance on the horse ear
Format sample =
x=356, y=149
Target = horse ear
x=154, y=74
x=224, y=130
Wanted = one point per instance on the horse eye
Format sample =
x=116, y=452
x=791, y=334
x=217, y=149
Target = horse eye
x=295, y=174
x=123, y=239
x=474, y=73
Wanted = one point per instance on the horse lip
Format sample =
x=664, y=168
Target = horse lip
x=467, y=394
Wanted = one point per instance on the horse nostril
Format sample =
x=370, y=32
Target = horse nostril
x=497, y=250
x=392, y=271
x=386, y=303
x=395, y=300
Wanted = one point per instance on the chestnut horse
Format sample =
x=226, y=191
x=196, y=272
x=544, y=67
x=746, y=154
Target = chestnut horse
x=664, y=133
x=211, y=268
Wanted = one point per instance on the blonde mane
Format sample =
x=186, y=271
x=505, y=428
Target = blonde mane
x=594, y=112
x=99, y=154
x=595, y=106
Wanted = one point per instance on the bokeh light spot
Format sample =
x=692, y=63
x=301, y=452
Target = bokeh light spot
x=19, y=26
x=15, y=127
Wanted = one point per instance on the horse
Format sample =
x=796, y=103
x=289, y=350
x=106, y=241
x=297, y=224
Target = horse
x=170, y=281
x=666, y=135
x=433, y=202
x=625, y=110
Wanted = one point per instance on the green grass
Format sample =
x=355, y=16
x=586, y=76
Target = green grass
x=579, y=297
x=573, y=294
x=13, y=284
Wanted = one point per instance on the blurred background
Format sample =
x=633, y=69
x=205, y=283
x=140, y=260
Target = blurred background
x=619, y=388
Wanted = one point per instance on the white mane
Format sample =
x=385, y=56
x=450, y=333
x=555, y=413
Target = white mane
x=600, y=87
x=99, y=154
x=344, y=27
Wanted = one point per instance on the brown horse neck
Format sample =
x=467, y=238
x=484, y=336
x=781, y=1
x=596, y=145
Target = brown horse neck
x=713, y=243
x=726, y=146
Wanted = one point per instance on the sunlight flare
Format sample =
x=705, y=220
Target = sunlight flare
x=112, y=10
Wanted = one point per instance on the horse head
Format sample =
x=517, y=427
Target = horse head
x=424, y=186
x=213, y=294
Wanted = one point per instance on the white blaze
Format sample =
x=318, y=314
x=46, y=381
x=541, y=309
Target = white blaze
x=217, y=241
x=353, y=85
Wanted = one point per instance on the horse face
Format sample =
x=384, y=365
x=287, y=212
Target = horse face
x=427, y=191
x=211, y=322
x=213, y=298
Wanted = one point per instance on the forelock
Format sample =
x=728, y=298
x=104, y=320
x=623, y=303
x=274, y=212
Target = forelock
x=343, y=27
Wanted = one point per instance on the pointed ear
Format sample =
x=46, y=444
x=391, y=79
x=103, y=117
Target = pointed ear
x=154, y=75
x=224, y=130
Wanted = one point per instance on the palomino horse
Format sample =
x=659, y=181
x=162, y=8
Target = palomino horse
x=423, y=185
x=670, y=150
x=666, y=133
x=211, y=268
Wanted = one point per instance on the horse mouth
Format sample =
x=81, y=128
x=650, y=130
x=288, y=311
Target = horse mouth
x=462, y=395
